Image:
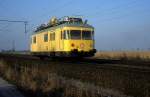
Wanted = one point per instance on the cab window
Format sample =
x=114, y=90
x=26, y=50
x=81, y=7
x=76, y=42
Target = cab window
x=86, y=35
x=75, y=34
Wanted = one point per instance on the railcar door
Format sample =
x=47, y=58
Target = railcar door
x=61, y=41
x=57, y=40
x=52, y=41
x=64, y=39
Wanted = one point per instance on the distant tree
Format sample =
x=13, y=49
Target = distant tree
x=138, y=49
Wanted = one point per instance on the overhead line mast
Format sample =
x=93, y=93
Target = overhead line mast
x=25, y=23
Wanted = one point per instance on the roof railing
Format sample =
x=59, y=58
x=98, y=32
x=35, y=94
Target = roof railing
x=66, y=19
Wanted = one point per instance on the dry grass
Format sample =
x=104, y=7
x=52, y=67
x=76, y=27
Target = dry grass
x=53, y=85
x=71, y=80
x=145, y=55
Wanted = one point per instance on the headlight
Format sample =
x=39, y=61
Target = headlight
x=72, y=45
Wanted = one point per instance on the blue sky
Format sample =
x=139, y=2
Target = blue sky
x=119, y=24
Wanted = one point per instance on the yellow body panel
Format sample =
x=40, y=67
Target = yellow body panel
x=40, y=45
x=60, y=44
x=80, y=45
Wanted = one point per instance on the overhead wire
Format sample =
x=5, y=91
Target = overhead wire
x=52, y=11
x=4, y=27
x=12, y=21
x=25, y=23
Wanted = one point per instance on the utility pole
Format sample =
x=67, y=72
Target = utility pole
x=13, y=45
x=25, y=27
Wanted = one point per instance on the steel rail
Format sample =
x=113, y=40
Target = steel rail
x=92, y=63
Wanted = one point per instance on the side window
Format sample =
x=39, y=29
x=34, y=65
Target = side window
x=64, y=34
x=45, y=37
x=92, y=35
x=52, y=36
x=34, y=39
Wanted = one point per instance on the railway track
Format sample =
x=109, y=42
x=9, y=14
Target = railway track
x=114, y=64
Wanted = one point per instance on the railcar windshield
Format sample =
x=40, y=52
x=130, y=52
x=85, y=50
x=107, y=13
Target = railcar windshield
x=75, y=34
x=87, y=35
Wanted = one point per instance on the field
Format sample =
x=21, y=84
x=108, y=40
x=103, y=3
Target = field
x=130, y=55
x=74, y=79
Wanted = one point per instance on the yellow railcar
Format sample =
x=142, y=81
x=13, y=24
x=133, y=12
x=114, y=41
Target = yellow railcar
x=69, y=37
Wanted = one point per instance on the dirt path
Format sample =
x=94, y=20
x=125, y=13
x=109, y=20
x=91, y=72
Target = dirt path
x=8, y=90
